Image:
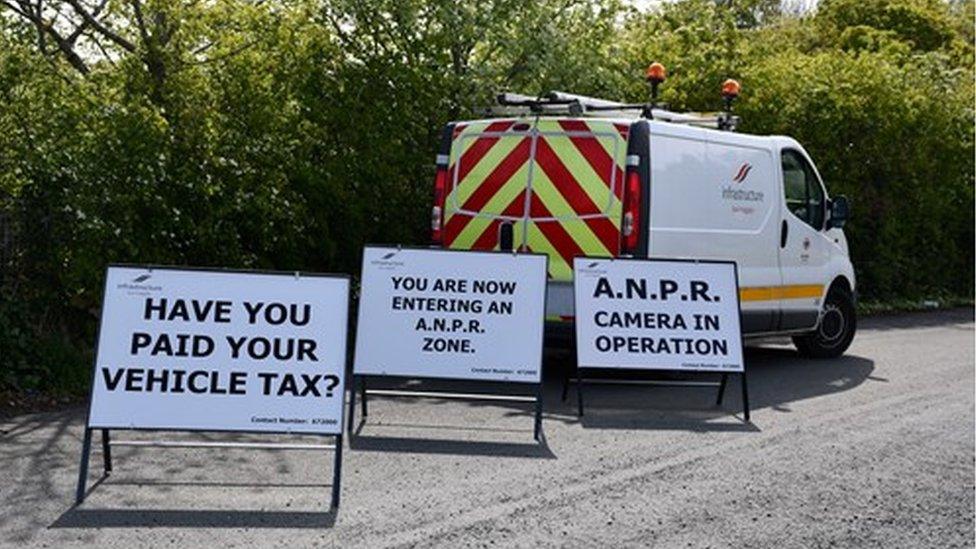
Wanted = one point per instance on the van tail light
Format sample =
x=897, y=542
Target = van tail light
x=437, y=210
x=632, y=202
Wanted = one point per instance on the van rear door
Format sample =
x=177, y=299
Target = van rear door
x=558, y=181
x=488, y=178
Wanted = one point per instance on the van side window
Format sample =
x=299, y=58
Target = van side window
x=804, y=195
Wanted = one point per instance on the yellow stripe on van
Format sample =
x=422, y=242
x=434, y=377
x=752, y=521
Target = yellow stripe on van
x=470, y=130
x=553, y=200
x=487, y=164
x=605, y=133
x=538, y=243
x=615, y=145
x=769, y=293
x=509, y=191
x=590, y=181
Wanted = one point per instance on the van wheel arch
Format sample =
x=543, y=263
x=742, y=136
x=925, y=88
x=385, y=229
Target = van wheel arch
x=841, y=284
x=836, y=326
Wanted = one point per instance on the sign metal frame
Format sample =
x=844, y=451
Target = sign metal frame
x=361, y=381
x=721, y=384
x=106, y=439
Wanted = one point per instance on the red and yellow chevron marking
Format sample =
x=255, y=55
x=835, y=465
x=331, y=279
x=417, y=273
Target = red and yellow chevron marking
x=573, y=207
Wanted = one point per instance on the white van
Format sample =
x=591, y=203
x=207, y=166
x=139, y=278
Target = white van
x=611, y=183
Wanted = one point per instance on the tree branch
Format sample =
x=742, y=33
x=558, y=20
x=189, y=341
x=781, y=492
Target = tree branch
x=226, y=55
x=26, y=15
x=140, y=22
x=67, y=48
x=80, y=29
x=102, y=49
x=101, y=28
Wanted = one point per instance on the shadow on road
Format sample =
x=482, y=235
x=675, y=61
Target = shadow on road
x=207, y=484
x=530, y=449
x=76, y=517
x=776, y=378
x=128, y=518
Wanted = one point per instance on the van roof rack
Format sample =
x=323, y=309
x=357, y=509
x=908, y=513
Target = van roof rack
x=557, y=102
x=545, y=104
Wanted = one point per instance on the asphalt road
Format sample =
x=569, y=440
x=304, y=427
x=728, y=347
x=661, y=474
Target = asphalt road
x=874, y=449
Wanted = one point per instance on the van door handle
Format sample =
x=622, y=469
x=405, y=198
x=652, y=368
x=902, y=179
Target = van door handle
x=783, y=234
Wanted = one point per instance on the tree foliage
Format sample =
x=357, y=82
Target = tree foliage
x=285, y=134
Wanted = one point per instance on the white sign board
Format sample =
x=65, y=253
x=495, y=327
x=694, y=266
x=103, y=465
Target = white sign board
x=220, y=350
x=657, y=315
x=447, y=314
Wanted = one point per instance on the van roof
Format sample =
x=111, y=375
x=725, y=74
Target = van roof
x=667, y=128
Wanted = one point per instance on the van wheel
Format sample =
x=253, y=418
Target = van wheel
x=835, y=331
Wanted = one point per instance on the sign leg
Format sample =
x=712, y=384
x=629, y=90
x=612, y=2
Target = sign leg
x=337, y=472
x=362, y=396
x=579, y=392
x=106, y=451
x=745, y=396
x=352, y=406
x=83, y=467
x=721, y=389
x=569, y=375
x=538, y=413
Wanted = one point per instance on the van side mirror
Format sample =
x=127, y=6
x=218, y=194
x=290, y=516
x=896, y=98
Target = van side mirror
x=840, y=212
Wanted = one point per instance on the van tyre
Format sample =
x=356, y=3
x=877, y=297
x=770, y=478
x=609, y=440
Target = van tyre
x=835, y=331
